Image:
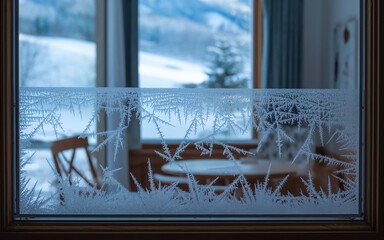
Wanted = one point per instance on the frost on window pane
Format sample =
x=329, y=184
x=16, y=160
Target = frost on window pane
x=285, y=174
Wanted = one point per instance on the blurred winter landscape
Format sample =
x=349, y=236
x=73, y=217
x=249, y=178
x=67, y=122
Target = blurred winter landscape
x=58, y=45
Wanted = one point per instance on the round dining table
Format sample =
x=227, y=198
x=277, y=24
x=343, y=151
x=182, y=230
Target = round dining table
x=227, y=169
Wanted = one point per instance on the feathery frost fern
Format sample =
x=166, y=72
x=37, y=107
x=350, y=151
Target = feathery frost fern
x=327, y=117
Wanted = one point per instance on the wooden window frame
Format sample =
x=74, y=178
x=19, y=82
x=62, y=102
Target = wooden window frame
x=372, y=227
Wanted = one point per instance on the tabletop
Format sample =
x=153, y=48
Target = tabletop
x=227, y=168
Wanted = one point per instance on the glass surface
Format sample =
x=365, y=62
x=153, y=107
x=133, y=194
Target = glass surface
x=57, y=48
x=179, y=42
x=304, y=161
x=287, y=173
x=194, y=44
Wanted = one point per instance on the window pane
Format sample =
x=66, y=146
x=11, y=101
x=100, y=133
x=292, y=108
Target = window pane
x=195, y=44
x=303, y=164
x=57, y=48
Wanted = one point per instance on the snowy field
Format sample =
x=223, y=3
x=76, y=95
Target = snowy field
x=59, y=62
x=157, y=71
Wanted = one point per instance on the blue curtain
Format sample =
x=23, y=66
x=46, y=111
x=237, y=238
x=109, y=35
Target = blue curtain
x=282, y=43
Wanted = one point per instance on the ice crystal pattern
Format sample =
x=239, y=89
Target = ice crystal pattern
x=326, y=117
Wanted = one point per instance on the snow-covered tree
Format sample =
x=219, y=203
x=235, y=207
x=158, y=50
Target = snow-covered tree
x=225, y=69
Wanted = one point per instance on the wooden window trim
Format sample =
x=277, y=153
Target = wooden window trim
x=257, y=42
x=257, y=48
x=370, y=228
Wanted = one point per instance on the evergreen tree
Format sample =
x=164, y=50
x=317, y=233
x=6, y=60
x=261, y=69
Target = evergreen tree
x=225, y=66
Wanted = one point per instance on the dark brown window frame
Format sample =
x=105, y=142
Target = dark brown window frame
x=370, y=228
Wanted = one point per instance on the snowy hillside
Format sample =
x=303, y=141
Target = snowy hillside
x=62, y=62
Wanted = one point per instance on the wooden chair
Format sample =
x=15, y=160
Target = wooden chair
x=322, y=171
x=321, y=174
x=66, y=167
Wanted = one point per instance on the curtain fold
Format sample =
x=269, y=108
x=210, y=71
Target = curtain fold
x=282, y=43
x=131, y=38
x=122, y=71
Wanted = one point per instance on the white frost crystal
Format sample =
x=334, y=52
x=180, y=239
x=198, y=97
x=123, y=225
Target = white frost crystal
x=324, y=117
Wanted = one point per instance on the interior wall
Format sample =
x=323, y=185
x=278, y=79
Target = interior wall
x=320, y=19
x=312, y=42
x=335, y=12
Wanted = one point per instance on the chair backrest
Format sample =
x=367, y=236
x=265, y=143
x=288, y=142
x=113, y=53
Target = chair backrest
x=268, y=149
x=323, y=171
x=65, y=166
